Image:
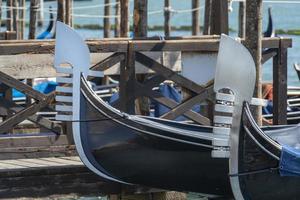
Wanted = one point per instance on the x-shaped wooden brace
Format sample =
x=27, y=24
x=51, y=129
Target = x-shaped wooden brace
x=22, y=113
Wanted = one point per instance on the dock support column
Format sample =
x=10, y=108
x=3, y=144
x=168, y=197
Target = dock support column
x=106, y=19
x=117, y=19
x=124, y=18
x=33, y=18
x=253, y=41
x=242, y=19
x=219, y=17
x=167, y=14
x=195, y=17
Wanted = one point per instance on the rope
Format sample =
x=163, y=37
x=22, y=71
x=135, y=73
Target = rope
x=95, y=16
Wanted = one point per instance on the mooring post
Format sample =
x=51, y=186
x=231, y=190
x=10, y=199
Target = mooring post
x=242, y=19
x=253, y=41
x=9, y=21
x=21, y=22
x=40, y=14
x=167, y=14
x=61, y=10
x=280, y=85
x=195, y=17
x=140, y=18
x=15, y=15
x=207, y=17
x=33, y=15
x=117, y=19
x=0, y=13
x=219, y=17
x=124, y=18
x=140, y=21
x=69, y=8
x=106, y=19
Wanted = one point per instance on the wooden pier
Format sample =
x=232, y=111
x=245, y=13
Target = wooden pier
x=38, y=158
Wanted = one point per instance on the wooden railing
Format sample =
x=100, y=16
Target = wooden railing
x=128, y=55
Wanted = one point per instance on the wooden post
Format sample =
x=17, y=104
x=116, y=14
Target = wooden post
x=21, y=23
x=106, y=19
x=167, y=14
x=219, y=17
x=61, y=10
x=280, y=86
x=195, y=17
x=33, y=17
x=15, y=15
x=242, y=19
x=253, y=41
x=9, y=21
x=207, y=17
x=68, y=16
x=0, y=14
x=40, y=13
x=124, y=18
x=140, y=18
x=117, y=19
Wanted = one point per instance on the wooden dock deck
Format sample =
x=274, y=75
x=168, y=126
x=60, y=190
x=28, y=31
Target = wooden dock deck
x=42, y=177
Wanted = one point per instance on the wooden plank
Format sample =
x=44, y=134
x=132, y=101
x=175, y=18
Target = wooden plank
x=106, y=20
x=172, y=104
x=22, y=115
x=280, y=87
x=6, y=105
x=268, y=54
x=37, y=152
x=188, y=104
x=209, y=45
x=22, y=87
x=108, y=62
x=168, y=74
x=23, y=141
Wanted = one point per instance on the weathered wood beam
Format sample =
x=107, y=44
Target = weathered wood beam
x=242, y=19
x=268, y=54
x=219, y=17
x=167, y=15
x=109, y=62
x=196, y=17
x=117, y=29
x=140, y=18
x=22, y=87
x=20, y=116
x=207, y=17
x=196, y=117
x=168, y=74
x=106, y=19
x=33, y=18
x=207, y=45
x=188, y=104
x=124, y=18
x=280, y=87
x=253, y=41
x=7, y=106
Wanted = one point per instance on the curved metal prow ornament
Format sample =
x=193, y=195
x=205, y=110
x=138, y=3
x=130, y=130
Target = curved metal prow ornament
x=72, y=57
x=236, y=74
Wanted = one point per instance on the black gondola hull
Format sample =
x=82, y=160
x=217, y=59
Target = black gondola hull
x=132, y=156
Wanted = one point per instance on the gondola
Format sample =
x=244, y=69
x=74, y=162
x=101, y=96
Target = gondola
x=270, y=32
x=47, y=33
x=213, y=160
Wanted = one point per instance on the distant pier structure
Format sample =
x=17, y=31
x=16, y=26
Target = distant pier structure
x=37, y=154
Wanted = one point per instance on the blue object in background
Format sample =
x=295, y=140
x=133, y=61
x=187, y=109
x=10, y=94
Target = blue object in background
x=45, y=87
x=170, y=92
x=289, y=161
